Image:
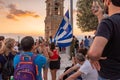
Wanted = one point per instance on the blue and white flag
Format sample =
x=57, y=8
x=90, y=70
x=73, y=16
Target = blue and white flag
x=63, y=37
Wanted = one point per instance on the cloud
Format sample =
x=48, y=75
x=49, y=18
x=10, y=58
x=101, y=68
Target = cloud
x=15, y=13
x=1, y=2
x=1, y=5
x=10, y=16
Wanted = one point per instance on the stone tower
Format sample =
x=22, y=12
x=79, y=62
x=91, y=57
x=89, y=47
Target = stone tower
x=54, y=15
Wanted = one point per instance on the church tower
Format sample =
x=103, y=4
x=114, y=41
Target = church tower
x=54, y=15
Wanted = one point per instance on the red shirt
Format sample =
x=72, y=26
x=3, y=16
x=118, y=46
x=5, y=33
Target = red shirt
x=55, y=55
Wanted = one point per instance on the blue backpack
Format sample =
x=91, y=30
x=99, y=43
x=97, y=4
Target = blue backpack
x=26, y=69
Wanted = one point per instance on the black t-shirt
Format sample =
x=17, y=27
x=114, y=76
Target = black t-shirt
x=4, y=58
x=109, y=28
x=2, y=62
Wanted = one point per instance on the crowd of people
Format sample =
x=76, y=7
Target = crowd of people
x=12, y=57
x=45, y=55
x=97, y=59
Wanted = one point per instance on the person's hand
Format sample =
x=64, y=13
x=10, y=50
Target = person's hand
x=61, y=77
x=96, y=9
x=96, y=65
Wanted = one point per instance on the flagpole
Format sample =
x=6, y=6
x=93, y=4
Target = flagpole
x=71, y=22
x=71, y=13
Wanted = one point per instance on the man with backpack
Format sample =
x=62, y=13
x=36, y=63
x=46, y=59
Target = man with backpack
x=28, y=65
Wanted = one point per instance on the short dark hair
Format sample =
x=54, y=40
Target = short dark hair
x=2, y=38
x=83, y=51
x=27, y=43
x=85, y=36
x=52, y=46
x=116, y=2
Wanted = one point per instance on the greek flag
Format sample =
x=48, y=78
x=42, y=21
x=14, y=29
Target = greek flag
x=63, y=37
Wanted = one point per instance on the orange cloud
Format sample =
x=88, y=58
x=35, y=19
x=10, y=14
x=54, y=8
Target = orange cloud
x=15, y=13
x=10, y=16
x=1, y=7
x=1, y=4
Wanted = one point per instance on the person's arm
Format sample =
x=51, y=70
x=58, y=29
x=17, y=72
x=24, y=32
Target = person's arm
x=74, y=76
x=45, y=52
x=68, y=71
x=35, y=47
x=96, y=48
x=95, y=51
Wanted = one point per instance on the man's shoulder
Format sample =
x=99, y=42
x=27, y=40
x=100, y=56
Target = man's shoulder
x=113, y=17
x=40, y=57
x=40, y=60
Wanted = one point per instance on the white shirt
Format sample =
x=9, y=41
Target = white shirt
x=88, y=72
x=90, y=41
x=78, y=64
x=16, y=48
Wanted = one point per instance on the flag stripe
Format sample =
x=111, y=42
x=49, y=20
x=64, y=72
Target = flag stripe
x=63, y=37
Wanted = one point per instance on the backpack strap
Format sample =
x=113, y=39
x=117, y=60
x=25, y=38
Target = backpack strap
x=30, y=58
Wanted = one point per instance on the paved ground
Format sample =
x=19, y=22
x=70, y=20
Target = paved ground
x=64, y=63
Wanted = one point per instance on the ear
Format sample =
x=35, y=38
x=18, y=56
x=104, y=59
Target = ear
x=33, y=46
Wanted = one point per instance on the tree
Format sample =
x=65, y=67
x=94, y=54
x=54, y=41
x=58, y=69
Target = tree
x=86, y=21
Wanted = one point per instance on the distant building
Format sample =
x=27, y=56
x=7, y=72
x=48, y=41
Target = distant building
x=54, y=15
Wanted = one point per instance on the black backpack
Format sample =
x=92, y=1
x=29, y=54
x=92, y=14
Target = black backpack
x=8, y=68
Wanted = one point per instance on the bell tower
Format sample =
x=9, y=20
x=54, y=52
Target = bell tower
x=54, y=15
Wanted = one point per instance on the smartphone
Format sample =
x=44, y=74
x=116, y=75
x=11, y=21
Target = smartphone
x=40, y=40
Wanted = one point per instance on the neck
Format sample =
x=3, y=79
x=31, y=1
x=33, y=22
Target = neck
x=113, y=10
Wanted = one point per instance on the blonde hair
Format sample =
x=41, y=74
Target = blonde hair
x=9, y=43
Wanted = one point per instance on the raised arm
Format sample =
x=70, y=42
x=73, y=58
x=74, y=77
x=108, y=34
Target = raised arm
x=96, y=48
x=74, y=76
x=68, y=71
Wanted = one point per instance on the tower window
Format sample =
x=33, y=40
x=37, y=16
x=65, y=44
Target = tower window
x=57, y=11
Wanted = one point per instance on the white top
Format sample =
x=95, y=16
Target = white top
x=90, y=41
x=88, y=72
x=78, y=65
x=16, y=48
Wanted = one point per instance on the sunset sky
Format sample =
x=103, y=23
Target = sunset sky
x=27, y=16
